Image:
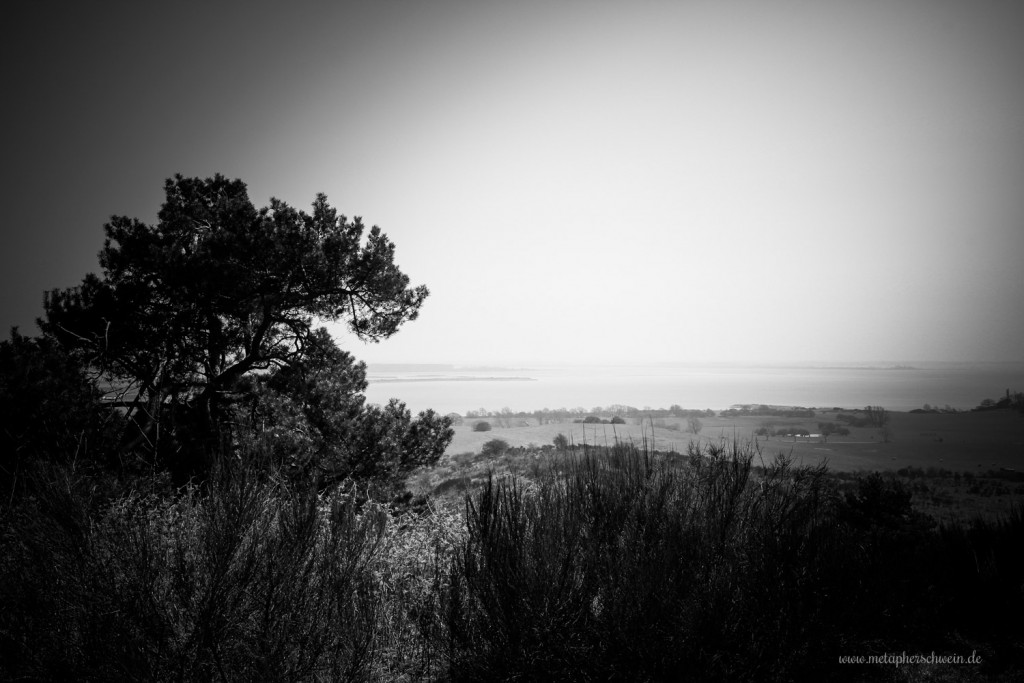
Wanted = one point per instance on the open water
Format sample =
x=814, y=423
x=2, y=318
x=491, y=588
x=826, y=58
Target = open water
x=456, y=389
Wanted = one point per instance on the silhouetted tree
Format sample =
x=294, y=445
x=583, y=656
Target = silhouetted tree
x=312, y=412
x=190, y=314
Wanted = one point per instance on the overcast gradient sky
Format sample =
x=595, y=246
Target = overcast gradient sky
x=574, y=181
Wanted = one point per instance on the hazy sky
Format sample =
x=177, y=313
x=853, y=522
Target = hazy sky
x=574, y=181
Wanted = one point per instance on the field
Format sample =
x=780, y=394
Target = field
x=961, y=442
x=958, y=465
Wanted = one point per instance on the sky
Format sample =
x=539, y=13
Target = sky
x=575, y=182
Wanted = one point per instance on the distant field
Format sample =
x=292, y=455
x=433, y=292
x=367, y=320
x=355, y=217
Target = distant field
x=973, y=441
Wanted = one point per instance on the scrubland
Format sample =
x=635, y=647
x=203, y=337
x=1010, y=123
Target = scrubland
x=713, y=561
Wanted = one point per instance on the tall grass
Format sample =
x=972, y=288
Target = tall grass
x=246, y=579
x=616, y=563
x=981, y=583
x=623, y=565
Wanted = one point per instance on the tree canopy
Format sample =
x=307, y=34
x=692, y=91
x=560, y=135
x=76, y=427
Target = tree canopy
x=210, y=317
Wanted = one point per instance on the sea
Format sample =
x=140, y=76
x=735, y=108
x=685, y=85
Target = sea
x=898, y=386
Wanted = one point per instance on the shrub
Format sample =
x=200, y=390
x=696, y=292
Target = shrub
x=482, y=426
x=983, y=563
x=629, y=567
x=694, y=424
x=494, y=447
x=246, y=579
x=882, y=503
x=622, y=564
x=50, y=412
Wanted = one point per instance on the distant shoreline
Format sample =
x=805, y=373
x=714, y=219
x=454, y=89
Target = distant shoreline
x=395, y=380
x=449, y=390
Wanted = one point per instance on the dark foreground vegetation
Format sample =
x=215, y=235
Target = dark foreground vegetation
x=617, y=564
x=193, y=488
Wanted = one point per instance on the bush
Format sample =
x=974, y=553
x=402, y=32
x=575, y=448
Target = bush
x=50, y=412
x=694, y=425
x=482, y=426
x=622, y=564
x=246, y=579
x=983, y=564
x=619, y=564
x=629, y=567
x=494, y=447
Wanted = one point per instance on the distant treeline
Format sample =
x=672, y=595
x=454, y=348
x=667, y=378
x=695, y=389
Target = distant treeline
x=869, y=416
x=547, y=415
x=1014, y=401
x=1011, y=401
x=768, y=411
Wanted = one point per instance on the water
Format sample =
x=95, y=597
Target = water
x=453, y=389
